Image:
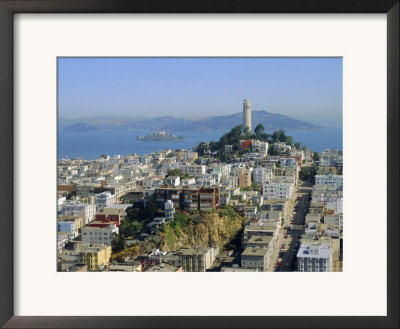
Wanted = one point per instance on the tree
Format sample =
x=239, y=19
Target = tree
x=118, y=242
x=297, y=145
x=259, y=129
x=174, y=172
x=316, y=156
x=308, y=173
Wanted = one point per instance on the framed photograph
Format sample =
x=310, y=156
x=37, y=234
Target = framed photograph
x=252, y=147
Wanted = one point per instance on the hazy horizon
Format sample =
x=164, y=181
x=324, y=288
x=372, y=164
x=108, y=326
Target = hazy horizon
x=308, y=89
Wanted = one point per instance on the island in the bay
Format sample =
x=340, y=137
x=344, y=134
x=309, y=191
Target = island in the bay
x=160, y=136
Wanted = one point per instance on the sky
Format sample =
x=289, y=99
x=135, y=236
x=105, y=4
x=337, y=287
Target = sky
x=304, y=88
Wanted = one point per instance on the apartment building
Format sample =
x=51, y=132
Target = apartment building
x=95, y=257
x=193, y=170
x=330, y=180
x=105, y=199
x=78, y=209
x=244, y=178
x=100, y=235
x=169, y=211
x=196, y=260
x=262, y=175
x=255, y=258
x=191, y=199
x=273, y=190
x=314, y=257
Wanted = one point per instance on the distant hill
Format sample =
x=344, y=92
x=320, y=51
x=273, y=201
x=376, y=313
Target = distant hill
x=270, y=121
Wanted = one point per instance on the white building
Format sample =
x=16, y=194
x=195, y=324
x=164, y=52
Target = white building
x=60, y=202
x=287, y=162
x=262, y=175
x=193, y=170
x=224, y=170
x=173, y=180
x=99, y=235
x=105, y=199
x=68, y=228
x=314, y=258
x=231, y=181
x=76, y=208
x=330, y=180
x=169, y=211
x=62, y=240
x=259, y=147
x=335, y=204
x=277, y=190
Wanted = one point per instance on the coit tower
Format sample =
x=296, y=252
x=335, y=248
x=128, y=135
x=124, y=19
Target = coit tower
x=246, y=114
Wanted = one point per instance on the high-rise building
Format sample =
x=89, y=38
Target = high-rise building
x=246, y=114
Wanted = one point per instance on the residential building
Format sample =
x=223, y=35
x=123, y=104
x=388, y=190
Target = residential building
x=260, y=147
x=314, y=257
x=173, y=180
x=244, y=178
x=78, y=209
x=262, y=175
x=330, y=180
x=196, y=260
x=105, y=199
x=103, y=235
x=193, y=170
x=273, y=190
x=95, y=257
x=125, y=267
x=255, y=258
x=169, y=211
x=67, y=227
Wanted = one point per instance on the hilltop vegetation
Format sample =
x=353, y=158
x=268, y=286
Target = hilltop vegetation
x=222, y=228
x=235, y=135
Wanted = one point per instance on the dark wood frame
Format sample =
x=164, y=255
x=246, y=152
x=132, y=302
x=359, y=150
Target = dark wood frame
x=9, y=7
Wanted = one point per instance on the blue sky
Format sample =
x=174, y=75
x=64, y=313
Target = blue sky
x=304, y=88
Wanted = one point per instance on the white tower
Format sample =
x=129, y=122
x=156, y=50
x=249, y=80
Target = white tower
x=246, y=114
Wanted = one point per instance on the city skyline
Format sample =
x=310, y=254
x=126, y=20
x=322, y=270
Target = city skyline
x=199, y=87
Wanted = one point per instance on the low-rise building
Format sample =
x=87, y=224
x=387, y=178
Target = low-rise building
x=78, y=209
x=314, y=257
x=99, y=235
x=255, y=258
x=105, y=199
x=125, y=267
x=95, y=257
x=196, y=260
x=330, y=180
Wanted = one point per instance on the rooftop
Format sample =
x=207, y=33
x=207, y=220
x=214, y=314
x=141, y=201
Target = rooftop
x=163, y=267
x=249, y=251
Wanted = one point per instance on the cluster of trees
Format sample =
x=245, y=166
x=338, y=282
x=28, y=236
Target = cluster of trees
x=236, y=134
x=177, y=172
x=136, y=219
x=308, y=173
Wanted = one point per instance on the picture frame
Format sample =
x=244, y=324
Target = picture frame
x=7, y=10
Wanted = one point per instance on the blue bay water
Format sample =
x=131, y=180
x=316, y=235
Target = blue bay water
x=91, y=144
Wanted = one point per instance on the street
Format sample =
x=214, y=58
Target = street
x=289, y=239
